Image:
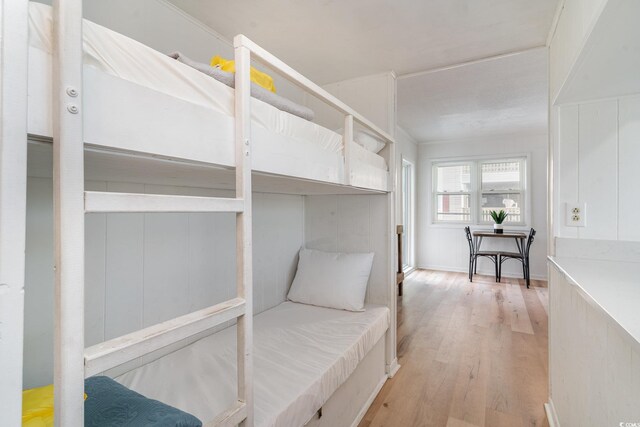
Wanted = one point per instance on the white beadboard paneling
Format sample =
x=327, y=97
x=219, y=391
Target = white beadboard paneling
x=144, y=268
x=278, y=235
x=321, y=223
x=124, y=269
x=95, y=274
x=606, y=173
x=166, y=291
x=598, y=157
x=38, y=307
x=596, y=327
x=629, y=172
x=568, y=134
x=211, y=259
x=378, y=242
x=351, y=224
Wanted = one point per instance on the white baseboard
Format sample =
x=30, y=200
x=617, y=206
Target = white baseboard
x=369, y=401
x=483, y=272
x=408, y=271
x=552, y=417
x=393, y=368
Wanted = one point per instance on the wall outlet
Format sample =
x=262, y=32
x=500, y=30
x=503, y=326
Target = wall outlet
x=576, y=215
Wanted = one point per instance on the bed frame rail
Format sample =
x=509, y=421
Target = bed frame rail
x=308, y=86
x=117, y=351
x=107, y=202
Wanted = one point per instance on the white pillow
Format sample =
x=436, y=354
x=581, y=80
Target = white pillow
x=332, y=279
x=369, y=142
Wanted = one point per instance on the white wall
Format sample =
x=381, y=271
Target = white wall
x=575, y=22
x=145, y=268
x=443, y=246
x=372, y=96
x=597, y=153
x=407, y=149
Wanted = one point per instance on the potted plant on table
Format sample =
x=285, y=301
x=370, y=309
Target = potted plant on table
x=498, y=218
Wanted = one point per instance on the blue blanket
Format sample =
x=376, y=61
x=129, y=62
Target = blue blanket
x=111, y=404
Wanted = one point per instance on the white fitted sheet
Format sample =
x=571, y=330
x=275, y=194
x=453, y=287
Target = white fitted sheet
x=302, y=354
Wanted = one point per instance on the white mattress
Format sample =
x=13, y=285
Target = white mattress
x=302, y=354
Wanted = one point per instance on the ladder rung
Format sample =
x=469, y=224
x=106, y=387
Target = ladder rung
x=108, y=202
x=106, y=355
x=231, y=417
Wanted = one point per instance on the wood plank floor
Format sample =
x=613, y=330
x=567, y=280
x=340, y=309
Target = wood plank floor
x=472, y=354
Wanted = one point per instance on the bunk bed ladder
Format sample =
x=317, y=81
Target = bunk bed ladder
x=73, y=363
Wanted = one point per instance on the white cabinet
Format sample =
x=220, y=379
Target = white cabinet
x=594, y=361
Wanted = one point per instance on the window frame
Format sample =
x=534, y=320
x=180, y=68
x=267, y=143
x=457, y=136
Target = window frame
x=476, y=191
x=522, y=191
x=436, y=193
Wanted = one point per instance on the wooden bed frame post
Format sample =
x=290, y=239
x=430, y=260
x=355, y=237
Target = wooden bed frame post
x=68, y=200
x=347, y=141
x=13, y=198
x=244, y=245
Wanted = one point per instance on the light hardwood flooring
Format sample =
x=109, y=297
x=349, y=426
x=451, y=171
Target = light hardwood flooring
x=472, y=354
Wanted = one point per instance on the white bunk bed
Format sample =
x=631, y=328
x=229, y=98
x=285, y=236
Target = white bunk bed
x=108, y=117
x=187, y=115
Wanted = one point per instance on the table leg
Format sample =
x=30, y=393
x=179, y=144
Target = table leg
x=520, y=242
x=478, y=242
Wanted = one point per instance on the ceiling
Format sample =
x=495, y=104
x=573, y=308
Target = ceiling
x=495, y=97
x=334, y=40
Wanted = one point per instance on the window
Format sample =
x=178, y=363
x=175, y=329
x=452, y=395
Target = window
x=501, y=184
x=453, y=192
x=466, y=192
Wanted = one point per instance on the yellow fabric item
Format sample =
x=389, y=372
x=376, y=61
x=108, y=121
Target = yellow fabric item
x=258, y=77
x=37, y=407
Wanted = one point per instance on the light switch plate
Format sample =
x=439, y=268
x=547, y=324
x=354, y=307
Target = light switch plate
x=576, y=214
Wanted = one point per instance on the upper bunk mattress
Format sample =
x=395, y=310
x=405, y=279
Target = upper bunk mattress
x=301, y=355
x=122, y=57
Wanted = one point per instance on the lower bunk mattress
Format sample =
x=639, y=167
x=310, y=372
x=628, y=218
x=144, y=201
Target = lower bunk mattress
x=301, y=355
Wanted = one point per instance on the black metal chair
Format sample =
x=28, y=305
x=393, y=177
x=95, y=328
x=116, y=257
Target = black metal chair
x=474, y=253
x=523, y=257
